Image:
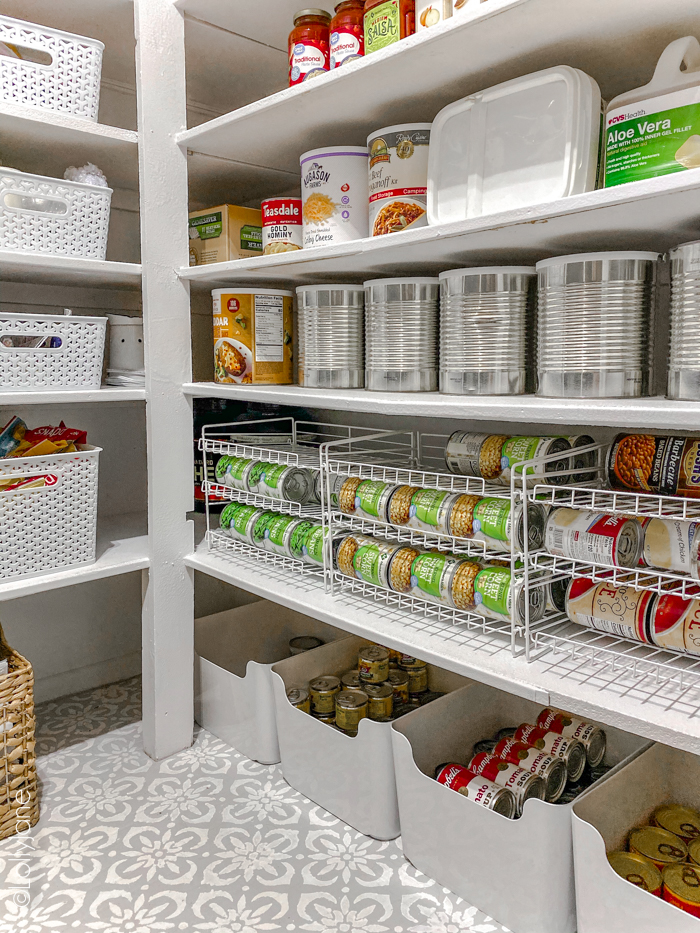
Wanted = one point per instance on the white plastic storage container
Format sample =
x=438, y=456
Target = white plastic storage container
x=353, y=777
x=602, y=820
x=47, y=351
x=48, y=512
x=64, y=74
x=519, y=871
x=528, y=141
x=53, y=216
x=234, y=654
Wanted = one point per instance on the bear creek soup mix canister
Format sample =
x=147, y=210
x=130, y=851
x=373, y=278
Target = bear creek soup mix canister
x=253, y=336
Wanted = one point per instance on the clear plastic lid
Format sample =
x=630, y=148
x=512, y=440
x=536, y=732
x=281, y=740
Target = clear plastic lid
x=596, y=257
x=490, y=270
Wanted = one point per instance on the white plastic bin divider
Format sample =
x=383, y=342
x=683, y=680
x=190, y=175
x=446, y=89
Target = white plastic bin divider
x=352, y=777
x=234, y=652
x=518, y=871
x=602, y=820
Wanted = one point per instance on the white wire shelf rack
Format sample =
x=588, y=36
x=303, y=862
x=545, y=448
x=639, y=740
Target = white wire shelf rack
x=233, y=548
x=616, y=502
x=231, y=494
x=639, y=578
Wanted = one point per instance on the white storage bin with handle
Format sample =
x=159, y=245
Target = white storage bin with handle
x=53, y=216
x=54, y=70
x=528, y=141
x=50, y=351
x=48, y=512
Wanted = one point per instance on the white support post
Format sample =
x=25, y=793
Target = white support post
x=169, y=599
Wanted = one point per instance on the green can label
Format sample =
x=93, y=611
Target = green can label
x=272, y=479
x=221, y=467
x=371, y=499
x=236, y=472
x=277, y=532
x=241, y=520
x=653, y=137
x=371, y=563
x=429, y=576
x=429, y=510
x=251, y=238
x=382, y=26
x=492, y=593
x=492, y=520
x=313, y=546
x=257, y=533
x=228, y=515
x=298, y=539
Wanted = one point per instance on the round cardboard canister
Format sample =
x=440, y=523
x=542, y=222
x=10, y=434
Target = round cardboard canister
x=334, y=194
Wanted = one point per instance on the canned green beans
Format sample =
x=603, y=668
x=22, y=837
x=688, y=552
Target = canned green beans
x=285, y=535
x=280, y=481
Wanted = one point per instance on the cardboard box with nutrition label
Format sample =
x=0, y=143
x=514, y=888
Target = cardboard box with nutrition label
x=223, y=233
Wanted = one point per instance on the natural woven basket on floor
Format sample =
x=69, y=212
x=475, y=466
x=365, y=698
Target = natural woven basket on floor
x=19, y=802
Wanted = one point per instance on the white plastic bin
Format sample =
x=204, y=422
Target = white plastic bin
x=234, y=652
x=353, y=777
x=52, y=216
x=602, y=820
x=65, y=76
x=52, y=524
x=518, y=871
x=75, y=364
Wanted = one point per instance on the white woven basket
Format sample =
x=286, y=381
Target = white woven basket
x=49, y=527
x=53, y=216
x=70, y=83
x=75, y=364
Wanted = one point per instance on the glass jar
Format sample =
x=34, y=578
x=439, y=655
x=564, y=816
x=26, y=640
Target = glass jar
x=309, y=46
x=347, y=32
x=387, y=21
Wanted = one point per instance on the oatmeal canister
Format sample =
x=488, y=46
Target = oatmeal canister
x=282, y=230
x=670, y=544
x=571, y=751
x=658, y=845
x=681, y=887
x=591, y=736
x=398, y=178
x=681, y=821
x=611, y=608
x=253, y=335
x=477, y=788
x=323, y=692
x=521, y=783
x=675, y=623
x=373, y=664
x=334, y=195
x=551, y=770
x=594, y=537
x=662, y=464
x=637, y=870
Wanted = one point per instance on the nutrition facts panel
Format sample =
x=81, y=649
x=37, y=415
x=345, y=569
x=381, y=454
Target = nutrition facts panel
x=269, y=328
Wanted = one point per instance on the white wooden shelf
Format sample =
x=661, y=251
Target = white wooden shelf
x=647, y=712
x=64, y=270
x=122, y=546
x=71, y=396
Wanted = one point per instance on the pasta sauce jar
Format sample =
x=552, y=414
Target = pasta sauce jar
x=347, y=32
x=308, y=46
x=387, y=21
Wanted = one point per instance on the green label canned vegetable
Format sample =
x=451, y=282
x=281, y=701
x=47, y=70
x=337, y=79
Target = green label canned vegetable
x=228, y=515
x=430, y=509
x=492, y=519
x=276, y=533
x=298, y=539
x=313, y=546
x=371, y=562
x=372, y=498
x=257, y=532
x=492, y=592
x=241, y=520
x=430, y=574
x=221, y=467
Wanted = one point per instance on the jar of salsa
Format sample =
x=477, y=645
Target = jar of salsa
x=309, y=46
x=347, y=32
x=387, y=21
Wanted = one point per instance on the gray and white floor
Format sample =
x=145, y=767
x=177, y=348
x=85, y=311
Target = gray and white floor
x=206, y=841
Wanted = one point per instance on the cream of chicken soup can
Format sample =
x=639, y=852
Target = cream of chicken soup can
x=334, y=194
x=398, y=178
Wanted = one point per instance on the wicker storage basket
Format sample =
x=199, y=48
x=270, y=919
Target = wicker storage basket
x=19, y=801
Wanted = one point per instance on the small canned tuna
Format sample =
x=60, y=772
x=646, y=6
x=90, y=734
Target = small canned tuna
x=476, y=788
x=670, y=544
x=399, y=685
x=637, y=870
x=373, y=664
x=571, y=751
x=681, y=887
x=290, y=483
x=658, y=845
x=675, y=623
x=551, y=770
x=521, y=783
x=381, y=700
x=594, y=537
x=681, y=821
x=350, y=707
x=323, y=692
x=591, y=736
x=611, y=608
x=299, y=697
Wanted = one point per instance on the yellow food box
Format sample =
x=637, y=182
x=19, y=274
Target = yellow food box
x=223, y=233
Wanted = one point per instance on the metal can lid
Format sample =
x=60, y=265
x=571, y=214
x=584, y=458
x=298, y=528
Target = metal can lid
x=312, y=12
x=326, y=683
x=397, y=677
x=305, y=643
x=400, y=709
x=378, y=691
x=683, y=881
x=428, y=696
x=297, y=695
x=694, y=851
x=373, y=653
x=407, y=663
x=658, y=844
x=351, y=699
x=681, y=821
x=351, y=679
x=507, y=733
x=485, y=745
x=636, y=869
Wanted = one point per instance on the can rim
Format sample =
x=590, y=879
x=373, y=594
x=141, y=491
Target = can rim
x=397, y=127
x=490, y=270
x=217, y=292
x=333, y=151
x=314, y=289
x=402, y=280
x=596, y=257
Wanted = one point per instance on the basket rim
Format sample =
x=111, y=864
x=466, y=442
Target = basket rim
x=24, y=23
x=53, y=179
x=16, y=317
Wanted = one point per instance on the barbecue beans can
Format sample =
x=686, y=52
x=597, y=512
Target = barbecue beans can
x=681, y=821
x=670, y=544
x=303, y=643
x=666, y=465
x=594, y=537
x=675, y=623
x=611, y=608
x=522, y=784
x=373, y=664
x=323, y=692
x=469, y=454
x=285, y=535
x=658, y=845
x=300, y=697
x=399, y=681
x=637, y=870
x=350, y=707
x=591, y=736
x=398, y=178
x=516, y=450
x=477, y=788
x=551, y=770
x=571, y=751
x=290, y=483
x=381, y=700
x=681, y=887
x=282, y=229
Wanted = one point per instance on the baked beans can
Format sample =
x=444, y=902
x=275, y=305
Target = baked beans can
x=681, y=821
x=334, y=195
x=551, y=770
x=658, y=845
x=470, y=454
x=373, y=664
x=637, y=870
x=350, y=707
x=592, y=737
x=303, y=643
x=517, y=450
x=399, y=685
x=381, y=700
x=285, y=535
x=282, y=230
x=611, y=608
x=681, y=887
x=675, y=623
x=670, y=544
x=284, y=482
x=323, y=691
x=477, y=788
x=351, y=680
x=571, y=751
x=253, y=336
x=398, y=178
x=594, y=537
x=662, y=464
x=521, y=783
x=300, y=697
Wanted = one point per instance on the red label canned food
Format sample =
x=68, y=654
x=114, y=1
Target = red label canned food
x=521, y=783
x=282, y=229
x=477, y=788
x=681, y=887
x=676, y=623
x=611, y=608
x=637, y=871
x=591, y=736
x=551, y=770
x=594, y=537
x=571, y=751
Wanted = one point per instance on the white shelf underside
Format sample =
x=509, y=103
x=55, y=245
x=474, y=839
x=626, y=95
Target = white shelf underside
x=63, y=270
x=70, y=396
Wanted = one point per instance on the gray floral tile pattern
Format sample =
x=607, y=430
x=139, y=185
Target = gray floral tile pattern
x=206, y=841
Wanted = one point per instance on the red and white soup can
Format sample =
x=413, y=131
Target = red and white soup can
x=282, y=229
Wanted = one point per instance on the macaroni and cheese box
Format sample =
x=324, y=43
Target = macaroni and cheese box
x=223, y=233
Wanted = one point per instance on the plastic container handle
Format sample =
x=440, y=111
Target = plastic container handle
x=34, y=204
x=668, y=67
x=10, y=477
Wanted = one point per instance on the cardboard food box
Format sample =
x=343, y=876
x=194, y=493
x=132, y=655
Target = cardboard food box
x=223, y=233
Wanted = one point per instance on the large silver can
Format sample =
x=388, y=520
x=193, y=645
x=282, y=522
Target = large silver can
x=684, y=353
x=331, y=336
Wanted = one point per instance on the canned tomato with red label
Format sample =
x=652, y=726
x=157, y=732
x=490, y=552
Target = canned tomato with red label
x=676, y=623
x=571, y=751
x=521, y=783
x=591, y=736
x=594, y=537
x=611, y=608
x=282, y=229
x=477, y=788
x=551, y=770
x=669, y=466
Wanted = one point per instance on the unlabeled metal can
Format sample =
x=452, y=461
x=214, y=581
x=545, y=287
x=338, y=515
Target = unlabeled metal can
x=299, y=697
x=381, y=700
x=303, y=643
x=675, y=623
x=658, y=845
x=323, y=691
x=477, y=788
x=351, y=680
x=469, y=454
x=485, y=746
x=280, y=481
x=666, y=465
x=681, y=887
x=399, y=685
x=681, y=821
x=611, y=608
x=591, y=736
x=581, y=462
x=637, y=870
x=551, y=770
x=594, y=537
x=571, y=751
x=521, y=783
x=669, y=544
x=373, y=664
x=350, y=708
